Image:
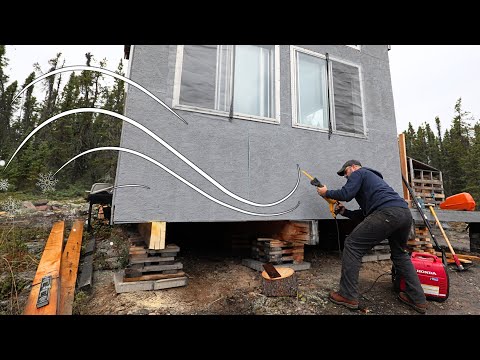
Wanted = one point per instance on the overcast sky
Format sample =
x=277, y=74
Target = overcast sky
x=427, y=80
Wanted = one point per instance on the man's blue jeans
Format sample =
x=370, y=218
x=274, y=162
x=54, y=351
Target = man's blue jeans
x=394, y=224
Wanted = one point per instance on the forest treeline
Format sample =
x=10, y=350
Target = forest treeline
x=65, y=137
x=455, y=152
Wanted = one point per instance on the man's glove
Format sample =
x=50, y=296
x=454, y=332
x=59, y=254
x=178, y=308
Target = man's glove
x=339, y=208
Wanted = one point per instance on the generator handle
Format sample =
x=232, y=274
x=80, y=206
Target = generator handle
x=426, y=255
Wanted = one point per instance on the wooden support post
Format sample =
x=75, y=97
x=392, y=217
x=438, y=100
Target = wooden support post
x=154, y=234
x=403, y=164
x=48, y=268
x=69, y=269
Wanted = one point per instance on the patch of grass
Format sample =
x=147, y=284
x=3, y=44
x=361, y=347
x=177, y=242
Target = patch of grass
x=80, y=302
x=100, y=261
x=120, y=245
x=76, y=195
x=10, y=289
x=101, y=232
x=14, y=255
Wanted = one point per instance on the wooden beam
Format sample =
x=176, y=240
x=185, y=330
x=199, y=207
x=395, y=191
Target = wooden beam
x=69, y=269
x=154, y=234
x=403, y=164
x=49, y=266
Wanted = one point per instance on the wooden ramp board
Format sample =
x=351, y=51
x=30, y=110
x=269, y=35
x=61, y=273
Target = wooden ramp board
x=49, y=266
x=69, y=268
x=123, y=287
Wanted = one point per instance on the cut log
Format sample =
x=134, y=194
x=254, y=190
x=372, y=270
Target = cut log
x=285, y=285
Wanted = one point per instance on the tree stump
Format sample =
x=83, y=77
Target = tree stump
x=286, y=285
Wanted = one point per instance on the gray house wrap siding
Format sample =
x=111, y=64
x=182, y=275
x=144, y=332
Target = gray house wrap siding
x=255, y=160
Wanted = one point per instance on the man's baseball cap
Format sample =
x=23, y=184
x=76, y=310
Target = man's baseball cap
x=341, y=172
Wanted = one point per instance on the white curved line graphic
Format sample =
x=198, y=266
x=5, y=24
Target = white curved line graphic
x=165, y=144
x=105, y=71
x=175, y=175
x=119, y=186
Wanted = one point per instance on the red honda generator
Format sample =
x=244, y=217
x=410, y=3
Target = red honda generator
x=432, y=273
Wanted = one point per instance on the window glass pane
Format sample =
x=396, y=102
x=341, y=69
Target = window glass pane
x=348, y=102
x=198, y=76
x=312, y=109
x=206, y=80
x=254, y=80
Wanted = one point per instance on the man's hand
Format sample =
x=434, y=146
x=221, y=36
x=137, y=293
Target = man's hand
x=339, y=208
x=322, y=190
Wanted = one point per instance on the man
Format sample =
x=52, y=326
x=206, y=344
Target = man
x=384, y=215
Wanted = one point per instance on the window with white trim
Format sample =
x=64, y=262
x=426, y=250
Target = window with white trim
x=326, y=93
x=208, y=77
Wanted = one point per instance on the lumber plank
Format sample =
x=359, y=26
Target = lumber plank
x=49, y=265
x=69, y=268
x=460, y=256
x=463, y=261
x=402, y=149
x=153, y=234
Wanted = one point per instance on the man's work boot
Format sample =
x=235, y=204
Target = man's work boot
x=421, y=308
x=340, y=300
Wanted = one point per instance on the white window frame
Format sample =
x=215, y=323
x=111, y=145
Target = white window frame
x=294, y=93
x=176, y=93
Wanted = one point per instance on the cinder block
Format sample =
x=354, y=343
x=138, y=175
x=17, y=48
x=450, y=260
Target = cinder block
x=123, y=287
x=145, y=285
x=170, y=283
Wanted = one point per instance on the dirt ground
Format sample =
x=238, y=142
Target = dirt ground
x=221, y=285
x=218, y=283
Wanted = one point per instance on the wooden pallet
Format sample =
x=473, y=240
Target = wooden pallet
x=422, y=241
x=428, y=185
x=278, y=251
x=146, y=264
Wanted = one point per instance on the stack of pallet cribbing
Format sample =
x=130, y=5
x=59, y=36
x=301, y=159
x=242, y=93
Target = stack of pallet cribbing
x=422, y=241
x=149, y=269
x=278, y=251
x=147, y=264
